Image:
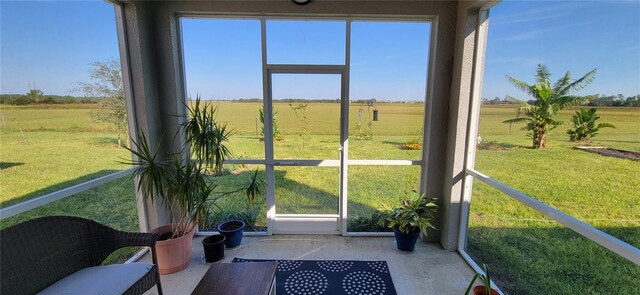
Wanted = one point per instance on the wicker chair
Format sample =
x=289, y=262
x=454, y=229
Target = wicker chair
x=40, y=252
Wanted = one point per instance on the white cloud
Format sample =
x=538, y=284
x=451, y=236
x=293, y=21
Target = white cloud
x=527, y=61
x=542, y=13
x=531, y=34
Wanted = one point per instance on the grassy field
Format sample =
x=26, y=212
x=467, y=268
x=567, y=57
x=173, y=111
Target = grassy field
x=527, y=252
x=46, y=148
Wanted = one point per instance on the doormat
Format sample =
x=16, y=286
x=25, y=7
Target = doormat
x=331, y=277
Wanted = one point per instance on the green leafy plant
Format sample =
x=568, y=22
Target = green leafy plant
x=277, y=136
x=367, y=223
x=549, y=99
x=414, y=214
x=364, y=133
x=584, y=125
x=485, y=278
x=180, y=184
x=107, y=83
x=300, y=111
x=206, y=136
x=248, y=216
x=254, y=188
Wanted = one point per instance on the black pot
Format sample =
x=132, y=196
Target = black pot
x=213, y=247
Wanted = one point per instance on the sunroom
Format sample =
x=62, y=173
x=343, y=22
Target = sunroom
x=311, y=91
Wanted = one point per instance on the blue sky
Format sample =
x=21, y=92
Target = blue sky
x=223, y=58
x=52, y=44
x=575, y=36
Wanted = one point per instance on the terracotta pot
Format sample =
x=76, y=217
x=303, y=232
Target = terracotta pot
x=481, y=290
x=173, y=254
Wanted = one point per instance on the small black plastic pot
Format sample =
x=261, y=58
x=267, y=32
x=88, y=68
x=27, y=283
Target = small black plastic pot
x=213, y=247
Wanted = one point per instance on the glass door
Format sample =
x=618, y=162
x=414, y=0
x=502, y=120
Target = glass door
x=306, y=141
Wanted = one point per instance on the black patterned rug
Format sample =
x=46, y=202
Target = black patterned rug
x=331, y=277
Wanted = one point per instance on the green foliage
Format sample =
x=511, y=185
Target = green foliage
x=301, y=113
x=180, y=185
x=113, y=110
x=254, y=188
x=414, y=214
x=248, y=216
x=584, y=125
x=491, y=145
x=362, y=133
x=277, y=136
x=485, y=278
x=367, y=223
x=107, y=83
x=35, y=95
x=549, y=99
x=614, y=100
x=206, y=136
x=25, y=99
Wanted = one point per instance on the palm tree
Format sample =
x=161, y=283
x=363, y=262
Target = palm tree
x=549, y=99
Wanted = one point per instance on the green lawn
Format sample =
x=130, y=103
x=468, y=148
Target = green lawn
x=531, y=254
x=47, y=148
x=44, y=149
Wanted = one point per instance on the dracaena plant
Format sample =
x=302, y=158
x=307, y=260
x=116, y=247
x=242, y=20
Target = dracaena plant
x=181, y=185
x=207, y=136
x=415, y=213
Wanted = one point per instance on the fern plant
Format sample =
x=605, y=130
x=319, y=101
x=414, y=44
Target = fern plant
x=584, y=125
x=415, y=214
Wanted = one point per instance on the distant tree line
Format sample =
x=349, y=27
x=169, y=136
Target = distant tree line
x=496, y=100
x=37, y=97
x=601, y=100
x=614, y=100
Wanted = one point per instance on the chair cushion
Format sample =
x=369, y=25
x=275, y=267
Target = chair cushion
x=102, y=280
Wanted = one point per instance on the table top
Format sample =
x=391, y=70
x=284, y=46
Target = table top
x=254, y=278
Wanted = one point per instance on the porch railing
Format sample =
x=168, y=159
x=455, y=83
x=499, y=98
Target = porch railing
x=614, y=244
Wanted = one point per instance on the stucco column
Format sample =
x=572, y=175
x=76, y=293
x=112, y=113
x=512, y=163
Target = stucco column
x=142, y=86
x=464, y=73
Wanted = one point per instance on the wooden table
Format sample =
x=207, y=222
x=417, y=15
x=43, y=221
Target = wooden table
x=244, y=278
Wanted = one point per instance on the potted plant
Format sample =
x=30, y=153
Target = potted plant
x=181, y=185
x=485, y=288
x=407, y=221
x=234, y=229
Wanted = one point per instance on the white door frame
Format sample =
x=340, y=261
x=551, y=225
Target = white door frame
x=306, y=223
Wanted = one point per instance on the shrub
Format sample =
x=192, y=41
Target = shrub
x=362, y=133
x=366, y=223
x=249, y=217
x=491, y=146
x=584, y=125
